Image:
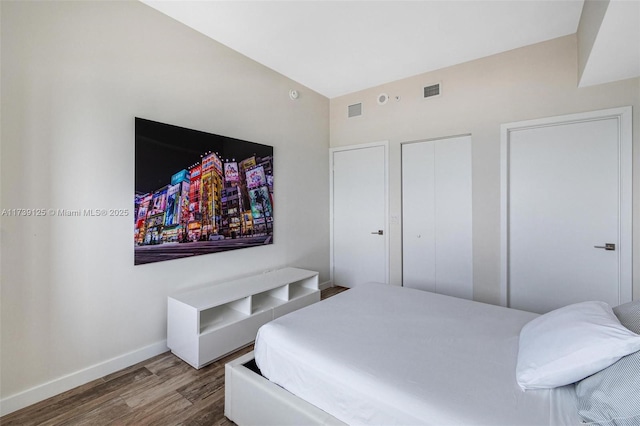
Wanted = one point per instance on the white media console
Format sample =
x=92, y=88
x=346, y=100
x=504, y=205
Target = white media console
x=207, y=323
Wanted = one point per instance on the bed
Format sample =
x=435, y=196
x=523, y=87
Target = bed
x=386, y=355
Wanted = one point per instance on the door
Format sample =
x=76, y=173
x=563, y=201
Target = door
x=567, y=204
x=436, y=216
x=359, y=239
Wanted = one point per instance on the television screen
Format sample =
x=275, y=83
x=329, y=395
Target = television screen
x=198, y=193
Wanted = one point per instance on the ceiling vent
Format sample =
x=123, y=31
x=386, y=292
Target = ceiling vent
x=355, y=110
x=431, y=91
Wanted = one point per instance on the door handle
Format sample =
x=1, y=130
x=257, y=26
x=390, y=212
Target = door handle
x=378, y=232
x=607, y=246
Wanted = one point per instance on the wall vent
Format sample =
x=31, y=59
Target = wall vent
x=431, y=91
x=355, y=110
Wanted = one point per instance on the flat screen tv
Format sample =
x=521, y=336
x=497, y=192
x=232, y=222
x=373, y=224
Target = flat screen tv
x=198, y=193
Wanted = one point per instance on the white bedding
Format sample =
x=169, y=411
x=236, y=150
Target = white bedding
x=386, y=355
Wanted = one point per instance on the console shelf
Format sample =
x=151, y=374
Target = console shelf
x=207, y=323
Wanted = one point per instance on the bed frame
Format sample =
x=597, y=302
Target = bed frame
x=251, y=399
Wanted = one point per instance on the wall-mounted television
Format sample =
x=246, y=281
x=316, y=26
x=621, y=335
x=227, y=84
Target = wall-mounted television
x=198, y=193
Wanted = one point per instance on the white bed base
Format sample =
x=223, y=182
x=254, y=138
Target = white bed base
x=250, y=399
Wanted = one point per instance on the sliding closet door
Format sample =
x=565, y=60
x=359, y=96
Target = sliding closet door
x=436, y=216
x=418, y=216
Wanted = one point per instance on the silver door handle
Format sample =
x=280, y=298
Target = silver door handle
x=378, y=232
x=607, y=246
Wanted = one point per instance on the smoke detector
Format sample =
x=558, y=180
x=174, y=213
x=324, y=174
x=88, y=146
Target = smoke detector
x=383, y=98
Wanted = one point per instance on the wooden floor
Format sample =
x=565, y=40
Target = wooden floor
x=163, y=390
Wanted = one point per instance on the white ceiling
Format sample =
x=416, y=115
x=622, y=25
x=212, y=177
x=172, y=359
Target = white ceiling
x=338, y=47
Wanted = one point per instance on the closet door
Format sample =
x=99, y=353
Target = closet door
x=418, y=216
x=436, y=216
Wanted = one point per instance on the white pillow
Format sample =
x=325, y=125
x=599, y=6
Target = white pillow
x=571, y=343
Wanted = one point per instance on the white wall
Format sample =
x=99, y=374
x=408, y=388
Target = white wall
x=593, y=13
x=74, y=76
x=531, y=82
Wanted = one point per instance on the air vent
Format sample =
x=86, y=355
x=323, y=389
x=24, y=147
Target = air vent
x=355, y=110
x=432, y=90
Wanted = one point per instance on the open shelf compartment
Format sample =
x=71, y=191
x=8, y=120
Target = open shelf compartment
x=269, y=299
x=303, y=287
x=220, y=316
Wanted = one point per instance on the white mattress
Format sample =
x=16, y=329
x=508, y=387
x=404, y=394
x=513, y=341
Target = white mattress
x=386, y=355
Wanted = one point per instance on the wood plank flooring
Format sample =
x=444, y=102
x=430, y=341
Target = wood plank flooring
x=163, y=390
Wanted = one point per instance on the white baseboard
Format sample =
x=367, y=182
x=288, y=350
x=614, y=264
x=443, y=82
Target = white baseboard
x=325, y=285
x=47, y=390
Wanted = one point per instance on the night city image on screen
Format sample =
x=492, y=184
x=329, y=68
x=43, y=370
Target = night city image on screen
x=198, y=193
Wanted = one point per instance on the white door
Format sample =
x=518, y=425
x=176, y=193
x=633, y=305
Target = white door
x=436, y=216
x=566, y=196
x=359, y=215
